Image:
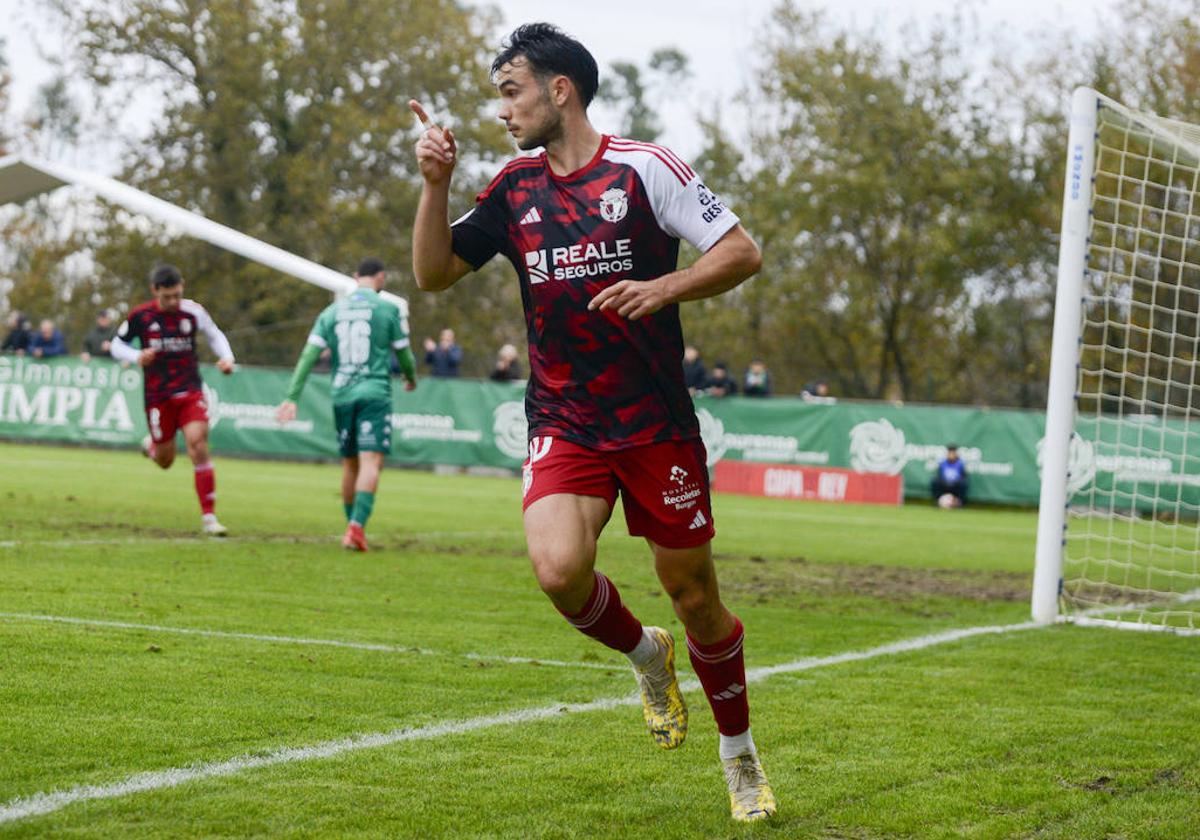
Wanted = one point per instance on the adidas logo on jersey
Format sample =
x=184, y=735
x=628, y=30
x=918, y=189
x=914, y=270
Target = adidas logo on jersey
x=698, y=521
x=728, y=694
x=532, y=217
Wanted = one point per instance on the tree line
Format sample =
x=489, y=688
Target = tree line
x=905, y=191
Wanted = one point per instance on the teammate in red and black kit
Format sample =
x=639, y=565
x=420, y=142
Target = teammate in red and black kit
x=166, y=328
x=592, y=226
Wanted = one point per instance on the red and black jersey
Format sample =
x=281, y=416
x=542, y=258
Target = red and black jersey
x=172, y=335
x=597, y=378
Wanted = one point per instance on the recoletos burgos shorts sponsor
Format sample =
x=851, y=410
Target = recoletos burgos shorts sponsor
x=591, y=259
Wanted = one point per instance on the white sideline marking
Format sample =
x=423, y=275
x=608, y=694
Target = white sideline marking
x=296, y=640
x=902, y=646
x=44, y=803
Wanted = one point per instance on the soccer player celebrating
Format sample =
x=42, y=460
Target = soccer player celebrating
x=361, y=330
x=592, y=226
x=166, y=328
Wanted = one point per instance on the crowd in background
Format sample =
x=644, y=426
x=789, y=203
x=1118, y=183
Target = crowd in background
x=443, y=358
x=754, y=382
x=48, y=341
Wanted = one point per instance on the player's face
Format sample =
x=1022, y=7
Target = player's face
x=526, y=107
x=168, y=297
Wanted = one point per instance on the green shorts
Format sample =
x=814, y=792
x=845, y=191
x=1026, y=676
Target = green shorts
x=363, y=426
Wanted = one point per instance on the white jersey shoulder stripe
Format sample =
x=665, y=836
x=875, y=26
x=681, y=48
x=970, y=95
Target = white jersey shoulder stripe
x=642, y=151
x=657, y=148
x=680, y=169
x=634, y=157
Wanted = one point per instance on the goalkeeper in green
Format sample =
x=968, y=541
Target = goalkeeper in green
x=361, y=330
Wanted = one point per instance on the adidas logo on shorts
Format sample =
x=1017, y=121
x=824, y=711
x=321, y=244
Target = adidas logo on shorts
x=698, y=521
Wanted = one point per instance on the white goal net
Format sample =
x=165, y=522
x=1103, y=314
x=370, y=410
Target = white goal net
x=1121, y=503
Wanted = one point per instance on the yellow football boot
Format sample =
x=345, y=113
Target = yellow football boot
x=750, y=795
x=663, y=705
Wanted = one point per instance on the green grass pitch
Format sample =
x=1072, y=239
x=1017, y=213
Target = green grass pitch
x=1048, y=733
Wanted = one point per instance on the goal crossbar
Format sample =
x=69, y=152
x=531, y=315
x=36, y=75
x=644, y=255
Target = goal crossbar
x=22, y=178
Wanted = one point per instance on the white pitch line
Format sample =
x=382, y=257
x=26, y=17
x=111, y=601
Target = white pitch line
x=44, y=803
x=298, y=640
x=902, y=646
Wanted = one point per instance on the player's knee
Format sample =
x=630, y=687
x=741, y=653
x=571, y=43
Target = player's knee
x=557, y=576
x=692, y=598
x=164, y=459
x=554, y=582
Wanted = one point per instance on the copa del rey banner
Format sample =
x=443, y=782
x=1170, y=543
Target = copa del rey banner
x=822, y=484
x=474, y=423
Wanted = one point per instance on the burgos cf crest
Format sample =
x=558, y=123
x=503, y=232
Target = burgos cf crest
x=614, y=204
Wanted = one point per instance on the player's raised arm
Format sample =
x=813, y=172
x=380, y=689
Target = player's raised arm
x=435, y=265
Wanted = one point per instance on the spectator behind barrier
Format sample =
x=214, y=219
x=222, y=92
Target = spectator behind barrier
x=720, y=383
x=508, y=366
x=695, y=377
x=20, y=336
x=444, y=356
x=757, y=382
x=98, y=340
x=48, y=342
x=949, y=484
x=818, y=392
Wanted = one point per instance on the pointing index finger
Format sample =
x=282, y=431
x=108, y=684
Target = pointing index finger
x=426, y=123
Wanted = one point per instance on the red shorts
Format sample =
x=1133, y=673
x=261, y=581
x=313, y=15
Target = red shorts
x=663, y=486
x=169, y=417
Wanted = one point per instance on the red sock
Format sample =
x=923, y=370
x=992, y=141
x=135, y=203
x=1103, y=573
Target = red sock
x=206, y=487
x=606, y=619
x=722, y=671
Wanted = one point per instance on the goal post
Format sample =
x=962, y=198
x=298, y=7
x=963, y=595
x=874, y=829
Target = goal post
x=1118, y=540
x=1064, y=355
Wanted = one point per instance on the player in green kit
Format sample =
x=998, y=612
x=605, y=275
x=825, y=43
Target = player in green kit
x=361, y=330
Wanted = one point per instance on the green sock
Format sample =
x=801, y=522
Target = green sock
x=363, y=502
x=349, y=508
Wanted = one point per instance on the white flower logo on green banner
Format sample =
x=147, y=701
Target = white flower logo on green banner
x=876, y=446
x=712, y=432
x=1081, y=463
x=510, y=429
x=212, y=404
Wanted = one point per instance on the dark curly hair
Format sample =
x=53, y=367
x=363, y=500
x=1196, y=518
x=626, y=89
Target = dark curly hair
x=552, y=52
